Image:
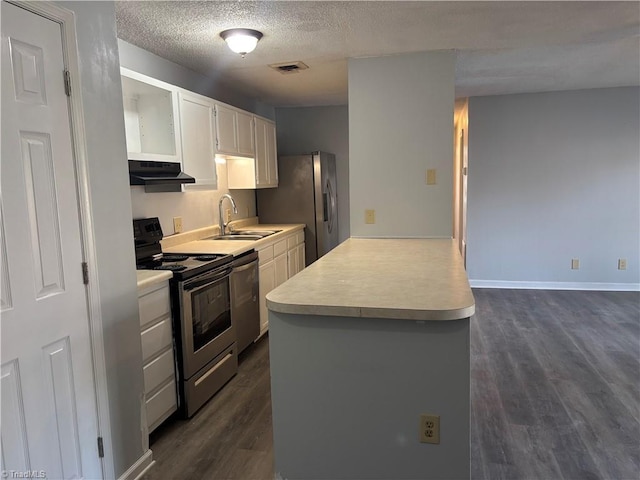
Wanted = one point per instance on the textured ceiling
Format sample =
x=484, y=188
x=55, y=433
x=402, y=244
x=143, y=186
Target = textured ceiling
x=501, y=47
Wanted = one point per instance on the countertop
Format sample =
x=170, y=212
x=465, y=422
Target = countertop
x=234, y=247
x=410, y=279
x=147, y=278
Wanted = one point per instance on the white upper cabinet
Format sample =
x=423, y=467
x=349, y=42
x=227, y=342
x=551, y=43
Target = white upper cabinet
x=244, y=121
x=266, y=153
x=261, y=171
x=234, y=131
x=197, y=132
x=150, y=118
x=167, y=123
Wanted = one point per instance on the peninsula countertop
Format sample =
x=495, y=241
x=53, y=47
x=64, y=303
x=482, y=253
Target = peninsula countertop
x=410, y=279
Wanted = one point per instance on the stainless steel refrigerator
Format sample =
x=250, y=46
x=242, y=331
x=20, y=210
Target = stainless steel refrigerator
x=306, y=194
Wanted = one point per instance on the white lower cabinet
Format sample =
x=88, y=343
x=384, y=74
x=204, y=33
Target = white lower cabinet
x=267, y=279
x=295, y=253
x=277, y=263
x=158, y=360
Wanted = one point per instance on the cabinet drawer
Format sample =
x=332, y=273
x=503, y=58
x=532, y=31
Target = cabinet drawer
x=295, y=239
x=279, y=248
x=265, y=254
x=158, y=371
x=161, y=405
x=156, y=338
x=154, y=304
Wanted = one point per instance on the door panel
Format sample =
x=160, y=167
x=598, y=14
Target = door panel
x=45, y=342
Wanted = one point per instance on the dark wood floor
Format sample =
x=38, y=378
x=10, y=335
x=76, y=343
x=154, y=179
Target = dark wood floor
x=555, y=394
x=230, y=437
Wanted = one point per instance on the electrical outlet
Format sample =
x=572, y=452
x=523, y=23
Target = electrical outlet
x=227, y=215
x=429, y=428
x=431, y=176
x=369, y=216
x=177, y=224
x=575, y=264
x=622, y=264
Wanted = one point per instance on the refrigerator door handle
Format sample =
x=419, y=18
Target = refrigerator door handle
x=329, y=206
x=325, y=207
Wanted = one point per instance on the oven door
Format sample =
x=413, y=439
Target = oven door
x=205, y=319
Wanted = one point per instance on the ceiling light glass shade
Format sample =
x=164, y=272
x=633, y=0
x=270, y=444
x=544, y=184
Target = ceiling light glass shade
x=241, y=40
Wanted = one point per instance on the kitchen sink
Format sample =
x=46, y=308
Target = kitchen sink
x=259, y=233
x=235, y=237
x=244, y=235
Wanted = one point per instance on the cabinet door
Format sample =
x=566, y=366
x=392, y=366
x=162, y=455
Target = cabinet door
x=196, y=115
x=262, y=171
x=281, y=269
x=300, y=254
x=292, y=262
x=245, y=133
x=267, y=278
x=271, y=153
x=226, y=140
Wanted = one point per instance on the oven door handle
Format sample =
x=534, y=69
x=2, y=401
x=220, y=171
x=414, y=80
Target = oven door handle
x=205, y=279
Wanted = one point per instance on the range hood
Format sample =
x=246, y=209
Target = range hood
x=158, y=176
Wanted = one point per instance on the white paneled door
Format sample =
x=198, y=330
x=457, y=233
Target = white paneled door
x=48, y=410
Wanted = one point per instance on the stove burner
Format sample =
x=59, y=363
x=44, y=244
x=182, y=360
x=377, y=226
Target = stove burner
x=173, y=268
x=174, y=258
x=206, y=258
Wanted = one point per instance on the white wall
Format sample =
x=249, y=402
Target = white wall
x=197, y=208
x=400, y=125
x=554, y=176
x=111, y=206
x=308, y=129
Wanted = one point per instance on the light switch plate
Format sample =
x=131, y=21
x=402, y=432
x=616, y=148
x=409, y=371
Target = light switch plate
x=369, y=216
x=177, y=224
x=431, y=176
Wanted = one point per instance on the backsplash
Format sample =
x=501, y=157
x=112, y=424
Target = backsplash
x=198, y=209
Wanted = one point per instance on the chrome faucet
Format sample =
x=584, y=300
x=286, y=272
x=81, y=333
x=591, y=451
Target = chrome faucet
x=222, y=224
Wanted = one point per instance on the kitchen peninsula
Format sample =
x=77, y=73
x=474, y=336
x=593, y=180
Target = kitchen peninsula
x=363, y=342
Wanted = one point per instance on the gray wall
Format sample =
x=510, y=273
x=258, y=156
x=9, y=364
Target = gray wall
x=554, y=176
x=348, y=406
x=147, y=63
x=307, y=129
x=401, y=125
x=111, y=207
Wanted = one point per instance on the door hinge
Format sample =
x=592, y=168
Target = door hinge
x=67, y=83
x=100, y=448
x=464, y=170
x=85, y=273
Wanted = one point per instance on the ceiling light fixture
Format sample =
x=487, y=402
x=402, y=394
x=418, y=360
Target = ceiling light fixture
x=241, y=40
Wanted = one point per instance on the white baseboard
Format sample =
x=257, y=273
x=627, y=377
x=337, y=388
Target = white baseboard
x=138, y=469
x=617, y=287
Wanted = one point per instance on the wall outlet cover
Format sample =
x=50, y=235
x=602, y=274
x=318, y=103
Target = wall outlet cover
x=622, y=264
x=575, y=264
x=429, y=428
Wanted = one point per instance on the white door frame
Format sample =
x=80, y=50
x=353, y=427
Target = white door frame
x=66, y=19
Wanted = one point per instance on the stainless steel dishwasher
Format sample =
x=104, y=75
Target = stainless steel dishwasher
x=245, y=310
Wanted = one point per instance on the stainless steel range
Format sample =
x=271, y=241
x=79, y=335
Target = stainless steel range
x=205, y=337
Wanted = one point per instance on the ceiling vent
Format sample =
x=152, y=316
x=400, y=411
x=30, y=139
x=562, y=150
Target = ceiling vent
x=289, y=67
